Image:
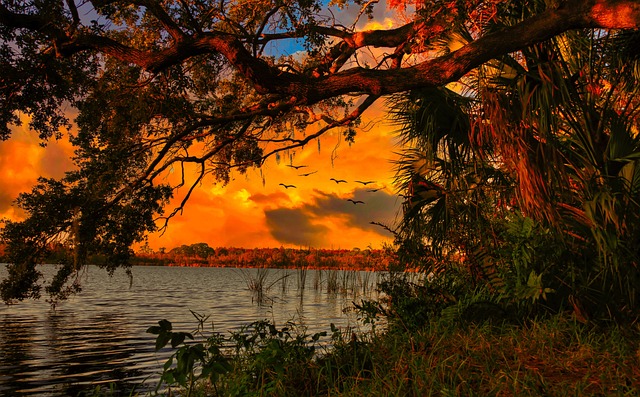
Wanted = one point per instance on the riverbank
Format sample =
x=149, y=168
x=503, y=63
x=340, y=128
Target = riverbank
x=557, y=356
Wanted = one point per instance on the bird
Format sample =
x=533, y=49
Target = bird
x=338, y=181
x=374, y=190
x=365, y=182
x=287, y=186
x=296, y=166
x=356, y=201
x=308, y=173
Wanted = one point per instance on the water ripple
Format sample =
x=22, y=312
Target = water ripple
x=99, y=336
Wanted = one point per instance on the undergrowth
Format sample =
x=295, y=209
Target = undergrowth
x=421, y=355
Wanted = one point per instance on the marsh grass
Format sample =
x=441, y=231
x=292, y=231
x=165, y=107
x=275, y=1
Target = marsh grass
x=284, y=278
x=333, y=285
x=259, y=284
x=317, y=279
x=302, y=277
x=556, y=357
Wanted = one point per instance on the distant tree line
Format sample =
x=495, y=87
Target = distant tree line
x=201, y=254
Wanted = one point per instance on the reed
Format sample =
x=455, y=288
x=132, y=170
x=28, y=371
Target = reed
x=332, y=282
x=348, y=281
x=257, y=282
x=285, y=280
x=302, y=277
x=317, y=279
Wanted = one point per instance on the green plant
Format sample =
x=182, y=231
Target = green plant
x=191, y=362
x=259, y=358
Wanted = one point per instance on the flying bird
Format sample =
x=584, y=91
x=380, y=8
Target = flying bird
x=296, y=166
x=338, y=181
x=365, y=182
x=374, y=190
x=308, y=173
x=287, y=186
x=356, y=201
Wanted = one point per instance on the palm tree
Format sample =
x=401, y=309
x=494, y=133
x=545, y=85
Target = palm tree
x=550, y=134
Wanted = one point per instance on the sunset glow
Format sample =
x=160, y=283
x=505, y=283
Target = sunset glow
x=247, y=212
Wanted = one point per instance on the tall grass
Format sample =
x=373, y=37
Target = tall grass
x=285, y=280
x=259, y=284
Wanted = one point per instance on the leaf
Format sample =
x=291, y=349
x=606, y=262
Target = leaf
x=165, y=325
x=153, y=330
x=162, y=340
x=177, y=338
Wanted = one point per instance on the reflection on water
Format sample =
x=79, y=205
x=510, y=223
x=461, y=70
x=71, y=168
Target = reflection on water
x=99, y=337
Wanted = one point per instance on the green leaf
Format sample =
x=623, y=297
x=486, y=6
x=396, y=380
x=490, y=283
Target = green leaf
x=162, y=340
x=165, y=325
x=153, y=330
x=177, y=338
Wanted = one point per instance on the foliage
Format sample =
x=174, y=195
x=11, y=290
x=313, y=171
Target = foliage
x=556, y=356
x=526, y=181
x=258, y=359
x=204, y=88
x=278, y=258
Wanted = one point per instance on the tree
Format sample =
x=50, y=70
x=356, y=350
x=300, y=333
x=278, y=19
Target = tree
x=531, y=174
x=160, y=85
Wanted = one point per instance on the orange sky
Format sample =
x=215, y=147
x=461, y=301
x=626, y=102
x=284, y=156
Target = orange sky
x=246, y=212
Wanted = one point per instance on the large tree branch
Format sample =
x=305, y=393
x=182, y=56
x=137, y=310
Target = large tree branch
x=448, y=68
x=302, y=89
x=167, y=22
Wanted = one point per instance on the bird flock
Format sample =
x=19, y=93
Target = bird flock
x=337, y=181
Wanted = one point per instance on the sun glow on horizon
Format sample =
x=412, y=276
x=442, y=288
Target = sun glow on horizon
x=252, y=210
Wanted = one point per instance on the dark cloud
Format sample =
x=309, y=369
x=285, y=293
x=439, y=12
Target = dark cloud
x=379, y=206
x=326, y=204
x=293, y=226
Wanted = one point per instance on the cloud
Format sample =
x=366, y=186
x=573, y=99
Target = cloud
x=379, y=206
x=18, y=170
x=348, y=15
x=56, y=160
x=293, y=226
x=23, y=160
x=272, y=198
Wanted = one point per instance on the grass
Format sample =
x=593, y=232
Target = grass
x=556, y=357
x=552, y=357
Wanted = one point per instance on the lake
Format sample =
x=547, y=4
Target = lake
x=99, y=336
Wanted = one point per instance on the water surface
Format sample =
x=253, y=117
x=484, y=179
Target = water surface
x=98, y=336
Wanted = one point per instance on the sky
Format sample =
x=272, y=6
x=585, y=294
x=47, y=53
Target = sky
x=254, y=210
x=249, y=211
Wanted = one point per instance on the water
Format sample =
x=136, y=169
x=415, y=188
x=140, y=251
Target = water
x=99, y=336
